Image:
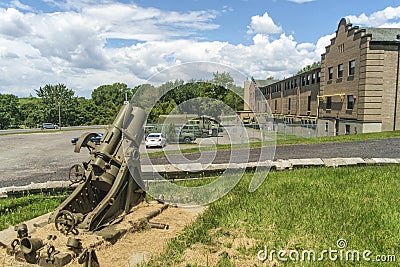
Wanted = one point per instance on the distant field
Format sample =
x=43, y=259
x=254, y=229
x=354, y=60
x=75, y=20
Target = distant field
x=298, y=210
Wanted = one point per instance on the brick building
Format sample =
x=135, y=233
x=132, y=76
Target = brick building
x=356, y=89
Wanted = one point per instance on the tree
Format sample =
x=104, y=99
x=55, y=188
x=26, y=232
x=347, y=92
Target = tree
x=109, y=99
x=310, y=67
x=9, y=112
x=58, y=100
x=30, y=112
x=223, y=79
x=86, y=112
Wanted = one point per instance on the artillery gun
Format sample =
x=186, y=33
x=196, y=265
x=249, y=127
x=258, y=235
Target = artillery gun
x=106, y=191
x=106, y=186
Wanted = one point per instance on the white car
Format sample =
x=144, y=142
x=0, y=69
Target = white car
x=155, y=139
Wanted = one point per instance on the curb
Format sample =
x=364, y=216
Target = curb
x=178, y=171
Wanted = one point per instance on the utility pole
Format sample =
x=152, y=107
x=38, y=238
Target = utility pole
x=59, y=115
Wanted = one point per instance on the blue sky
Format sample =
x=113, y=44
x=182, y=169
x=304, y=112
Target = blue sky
x=87, y=43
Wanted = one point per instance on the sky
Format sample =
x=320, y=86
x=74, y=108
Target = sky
x=85, y=43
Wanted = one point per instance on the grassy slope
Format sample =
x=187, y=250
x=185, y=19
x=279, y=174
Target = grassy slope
x=301, y=209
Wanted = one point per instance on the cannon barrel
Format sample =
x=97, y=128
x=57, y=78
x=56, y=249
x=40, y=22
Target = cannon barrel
x=107, y=187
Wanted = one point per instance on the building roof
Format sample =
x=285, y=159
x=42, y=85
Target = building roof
x=263, y=83
x=384, y=34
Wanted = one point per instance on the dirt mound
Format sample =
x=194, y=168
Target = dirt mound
x=138, y=244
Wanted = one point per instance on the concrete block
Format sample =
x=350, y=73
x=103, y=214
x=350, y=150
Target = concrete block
x=159, y=168
x=171, y=168
x=354, y=161
x=306, y=162
x=192, y=167
x=282, y=164
x=369, y=161
x=147, y=168
x=385, y=161
x=334, y=162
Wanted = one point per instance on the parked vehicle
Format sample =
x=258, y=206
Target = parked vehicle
x=194, y=129
x=209, y=125
x=182, y=137
x=96, y=139
x=155, y=140
x=48, y=125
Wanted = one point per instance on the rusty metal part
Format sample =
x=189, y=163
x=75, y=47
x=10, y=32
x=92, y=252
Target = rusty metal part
x=76, y=174
x=159, y=225
x=161, y=199
x=65, y=222
x=51, y=237
x=62, y=259
x=85, y=141
x=13, y=247
x=47, y=259
x=107, y=189
x=22, y=230
x=32, y=257
x=74, y=243
x=83, y=257
x=29, y=245
x=153, y=214
x=88, y=258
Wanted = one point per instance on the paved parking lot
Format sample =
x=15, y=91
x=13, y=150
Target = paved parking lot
x=48, y=155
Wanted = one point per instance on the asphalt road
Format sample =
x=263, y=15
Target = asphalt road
x=380, y=148
x=48, y=155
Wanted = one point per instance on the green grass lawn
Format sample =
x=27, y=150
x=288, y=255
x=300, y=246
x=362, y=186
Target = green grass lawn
x=297, y=210
x=302, y=209
x=291, y=139
x=16, y=210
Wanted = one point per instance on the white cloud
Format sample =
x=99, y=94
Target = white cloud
x=263, y=24
x=323, y=42
x=19, y=5
x=70, y=46
x=389, y=18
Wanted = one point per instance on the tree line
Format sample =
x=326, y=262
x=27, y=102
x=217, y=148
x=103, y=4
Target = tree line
x=56, y=103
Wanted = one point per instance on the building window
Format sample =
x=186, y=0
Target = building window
x=313, y=78
x=341, y=48
x=347, y=129
x=308, y=80
x=340, y=71
x=276, y=105
x=352, y=67
x=289, y=104
x=330, y=73
x=326, y=127
x=318, y=76
x=350, y=102
x=303, y=81
x=309, y=103
x=329, y=102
